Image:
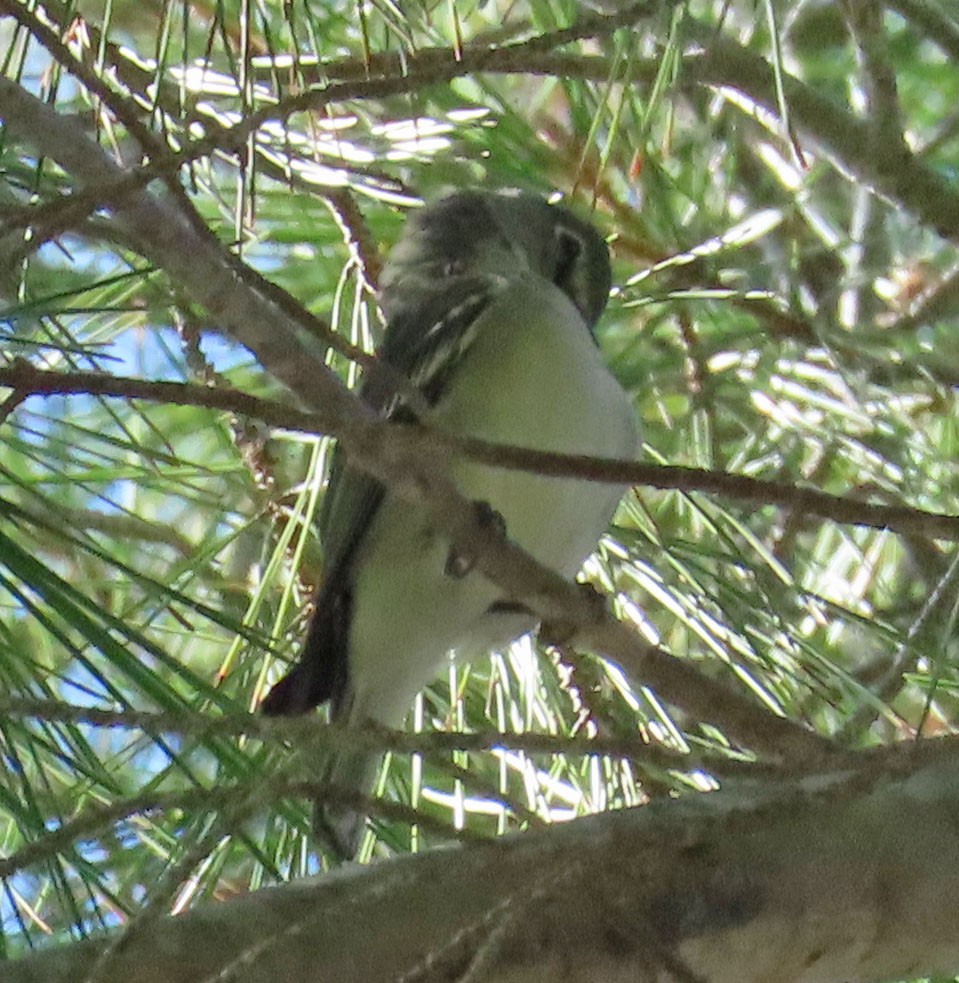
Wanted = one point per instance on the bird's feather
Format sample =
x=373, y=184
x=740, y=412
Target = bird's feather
x=428, y=359
x=510, y=288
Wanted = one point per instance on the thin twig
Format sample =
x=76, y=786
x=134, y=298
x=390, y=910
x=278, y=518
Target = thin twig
x=438, y=444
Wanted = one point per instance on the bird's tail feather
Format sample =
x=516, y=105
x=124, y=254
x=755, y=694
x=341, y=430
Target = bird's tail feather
x=339, y=816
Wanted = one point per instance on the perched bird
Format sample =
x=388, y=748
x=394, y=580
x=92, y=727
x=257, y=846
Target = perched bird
x=490, y=300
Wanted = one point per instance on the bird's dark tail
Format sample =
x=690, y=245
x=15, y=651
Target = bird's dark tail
x=339, y=817
x=321, y=675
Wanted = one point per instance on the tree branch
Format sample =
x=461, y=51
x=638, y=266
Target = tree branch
x=192, y=259
x=895, y=174
x=852, y=874
x=436, y=445
x=379, y=449
x=303, y=731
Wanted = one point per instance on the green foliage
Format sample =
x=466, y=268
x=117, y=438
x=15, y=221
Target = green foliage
x=785, y=310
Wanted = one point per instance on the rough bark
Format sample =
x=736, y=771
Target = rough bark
x=851, y=875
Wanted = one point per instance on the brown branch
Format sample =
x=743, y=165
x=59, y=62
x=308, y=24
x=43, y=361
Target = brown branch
x=421, y=479
x=232, y=801
x=710, y=880
x=436, y=445
x=935, y=25
x=57, y=216
x=524, y=57
x=121, y=107
x=304, y=731
x=895, y=174
x=11, y=403
x=356, y=234
x=191, y=256
x=435, y=66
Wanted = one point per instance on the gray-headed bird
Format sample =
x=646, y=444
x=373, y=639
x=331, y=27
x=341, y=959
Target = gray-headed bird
x=490, y=300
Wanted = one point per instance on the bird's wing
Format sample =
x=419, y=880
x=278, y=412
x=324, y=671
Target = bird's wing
x=424, y=342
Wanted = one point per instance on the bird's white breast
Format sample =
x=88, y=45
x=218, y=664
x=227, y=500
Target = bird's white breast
x=532, y=378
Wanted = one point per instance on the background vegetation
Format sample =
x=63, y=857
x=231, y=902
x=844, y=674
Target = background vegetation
x=779, y=183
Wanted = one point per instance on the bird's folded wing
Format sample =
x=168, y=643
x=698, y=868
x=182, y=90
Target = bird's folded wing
x=425, y=342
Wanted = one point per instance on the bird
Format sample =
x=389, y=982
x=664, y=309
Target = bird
x=490, y=299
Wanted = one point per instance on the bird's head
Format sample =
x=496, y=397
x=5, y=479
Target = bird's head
x=500, y=233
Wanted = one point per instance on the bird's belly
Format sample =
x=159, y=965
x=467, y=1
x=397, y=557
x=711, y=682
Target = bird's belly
x=409, y=613
x=551, y=392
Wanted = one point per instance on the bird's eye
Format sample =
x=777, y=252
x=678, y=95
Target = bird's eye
x=569, y=248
